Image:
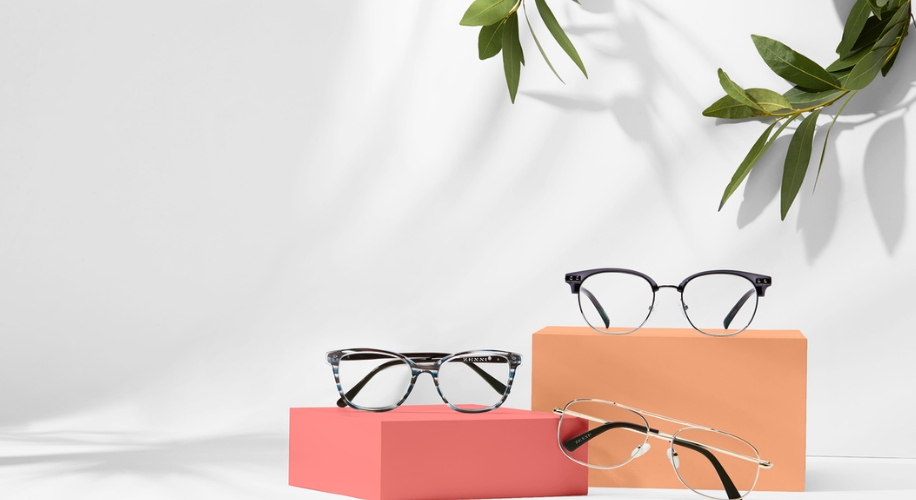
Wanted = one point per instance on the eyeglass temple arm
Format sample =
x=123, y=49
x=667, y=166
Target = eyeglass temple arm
x=489, y=379
x=737, y=307
x=727, y=483
x=575, y=442
x=362, y=383
x=638, y=428
x=594, y=301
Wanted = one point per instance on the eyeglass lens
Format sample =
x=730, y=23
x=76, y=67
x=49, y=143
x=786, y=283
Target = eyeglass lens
x=615, y=302
x=610, y=440
x=374, y=382
x=719, y=304
x=474, y=380
x=704, y=461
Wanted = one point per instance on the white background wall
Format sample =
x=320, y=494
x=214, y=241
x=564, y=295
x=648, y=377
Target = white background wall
x=199, y=199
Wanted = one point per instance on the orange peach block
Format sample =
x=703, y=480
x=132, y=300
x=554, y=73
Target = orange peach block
x=752, y=385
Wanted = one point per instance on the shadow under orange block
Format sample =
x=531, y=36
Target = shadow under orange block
x=752, y=385
x=430, y=452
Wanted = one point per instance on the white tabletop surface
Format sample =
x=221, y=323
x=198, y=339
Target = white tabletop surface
x=56, y=466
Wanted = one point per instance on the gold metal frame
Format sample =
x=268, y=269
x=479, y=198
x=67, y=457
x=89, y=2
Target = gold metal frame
x=762, y=464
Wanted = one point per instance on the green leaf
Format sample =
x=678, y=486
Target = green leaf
x=487, y=12
x=768, y=100
x=512, y=54
x=801, y=98
x=780, y=129
x=490, y=40
x=728, y=107
x=871, y=32
x=757, y=151
x=747, y=164
x=797, y=160
x=736, y=92
x=538, y=43
x=854, y=24
x=873, y=4
x=842, y=75
x=896, y=24
x=793, y=66
x=881, y=3
x=827, y=137
x=554, y=27
x=867, y=69
x=847, y=62
x=889, y=64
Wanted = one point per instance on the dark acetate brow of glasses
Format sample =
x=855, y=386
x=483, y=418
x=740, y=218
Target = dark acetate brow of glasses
x=720, y=303
x=717, y=457
x=377, y=380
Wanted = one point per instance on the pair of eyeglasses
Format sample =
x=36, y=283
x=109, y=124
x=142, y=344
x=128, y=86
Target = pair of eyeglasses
x=469, y=381
x=606, y=435
x=719, y=303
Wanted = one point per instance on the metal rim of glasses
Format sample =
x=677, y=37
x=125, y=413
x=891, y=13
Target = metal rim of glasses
x=670, y=438
x=741, y=302
x=593, y=466
x=698, y=492
x=758, y=283
x=431, y=365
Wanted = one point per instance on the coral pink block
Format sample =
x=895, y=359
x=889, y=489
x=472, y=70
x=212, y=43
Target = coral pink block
x=430, y=452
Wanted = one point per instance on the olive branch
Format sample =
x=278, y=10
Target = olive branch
x=498, y=20
x=871, y=39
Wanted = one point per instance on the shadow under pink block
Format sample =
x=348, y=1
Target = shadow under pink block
x=430, y=452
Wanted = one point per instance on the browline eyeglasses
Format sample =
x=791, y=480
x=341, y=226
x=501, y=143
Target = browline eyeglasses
x=720, y=303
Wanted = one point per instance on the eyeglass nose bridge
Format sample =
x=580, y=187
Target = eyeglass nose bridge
x=418, y=369
x=680, y=290
x=427, y=367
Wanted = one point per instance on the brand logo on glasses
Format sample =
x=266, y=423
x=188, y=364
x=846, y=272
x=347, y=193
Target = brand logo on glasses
x=478, y=360
x=583, y=438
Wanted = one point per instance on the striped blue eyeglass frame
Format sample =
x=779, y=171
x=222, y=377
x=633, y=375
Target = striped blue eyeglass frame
x=425, y=362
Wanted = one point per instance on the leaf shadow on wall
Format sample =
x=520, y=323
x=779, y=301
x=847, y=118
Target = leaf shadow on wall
x=426, y=215
x=817, y=215
x=817, y=219
x=843, y=8
x=819, y=198
x=884, y=162
x=885, y=186
x=637, y=112
x=762, y=183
